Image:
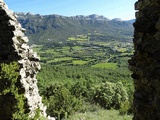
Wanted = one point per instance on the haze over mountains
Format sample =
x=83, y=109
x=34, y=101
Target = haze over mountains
x=40, y=28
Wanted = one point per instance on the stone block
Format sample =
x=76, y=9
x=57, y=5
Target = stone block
x=2, y=12
x=158, y=25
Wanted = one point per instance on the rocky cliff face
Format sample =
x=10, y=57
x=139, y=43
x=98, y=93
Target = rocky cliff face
x=145, y=63
x=13, y=47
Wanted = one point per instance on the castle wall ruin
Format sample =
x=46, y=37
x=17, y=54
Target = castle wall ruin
x=13, y=47
x=145, y=63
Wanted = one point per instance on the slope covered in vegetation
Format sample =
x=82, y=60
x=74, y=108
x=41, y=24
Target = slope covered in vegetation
x=42, y=29
x=84, y=63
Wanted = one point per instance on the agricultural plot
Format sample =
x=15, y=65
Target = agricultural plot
x=78, y=38
x=80, y=51
x=79, y=62
x=106, y=65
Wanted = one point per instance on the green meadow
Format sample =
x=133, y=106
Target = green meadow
x=106, y=65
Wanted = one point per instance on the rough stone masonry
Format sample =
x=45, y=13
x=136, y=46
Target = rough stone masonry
x=145, y=63
x=13, y=46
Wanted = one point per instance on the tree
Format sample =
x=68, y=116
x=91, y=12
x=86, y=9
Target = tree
x=60, y=101
x=110, y=95
x=12, y=101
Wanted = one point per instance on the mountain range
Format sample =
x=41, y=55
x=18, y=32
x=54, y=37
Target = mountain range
x=40, y=28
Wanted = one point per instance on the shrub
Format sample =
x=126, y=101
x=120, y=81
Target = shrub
x=124, y=108
x=79, y=89
x=60, y=101
x=12, y=101
x=110, y=95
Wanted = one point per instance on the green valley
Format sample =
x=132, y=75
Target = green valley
x=84, y=52
x=84, y=63
x=79, y=66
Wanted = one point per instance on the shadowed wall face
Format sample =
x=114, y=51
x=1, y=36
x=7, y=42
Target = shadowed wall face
x=22, y=78
x=145, y=63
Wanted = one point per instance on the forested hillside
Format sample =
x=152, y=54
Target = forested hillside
x=42, y=29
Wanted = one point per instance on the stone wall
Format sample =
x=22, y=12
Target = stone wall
x=13, y=47
x=145, y=63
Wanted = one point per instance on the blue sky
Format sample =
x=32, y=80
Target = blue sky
x=123, y=9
